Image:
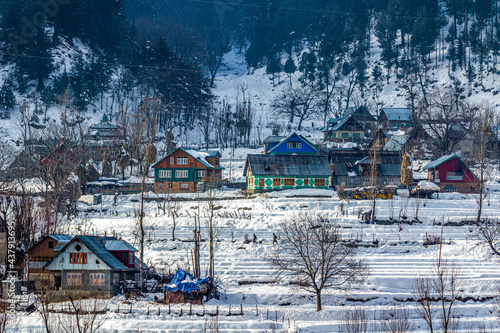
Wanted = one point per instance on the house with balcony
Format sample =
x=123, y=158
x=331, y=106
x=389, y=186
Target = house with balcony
x=451, y=174
x=188, y=170
x=343, y=129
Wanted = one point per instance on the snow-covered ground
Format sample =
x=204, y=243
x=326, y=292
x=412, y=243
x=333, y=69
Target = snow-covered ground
x=247, y=279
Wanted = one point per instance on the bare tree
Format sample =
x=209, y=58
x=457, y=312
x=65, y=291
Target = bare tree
x=313, y=251
x=488, y=232
x=173, y=211
x=355, y=321
x=406, y=171
x=442, y=287
x=484, y=120
x=297, y=102
x=396, y=319
x=445, y=118
x=84, y=315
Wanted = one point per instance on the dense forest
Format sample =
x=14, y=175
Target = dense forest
x=175, y=48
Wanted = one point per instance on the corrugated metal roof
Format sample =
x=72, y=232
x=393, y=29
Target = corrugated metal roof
x=390, y=169
x=96, y=245
x=398, y=114
x=289, y=165
x=273, y=139
x=118, y=245
x=439, y=161
x=61, y=237
x=291, y=136
x=60, y=246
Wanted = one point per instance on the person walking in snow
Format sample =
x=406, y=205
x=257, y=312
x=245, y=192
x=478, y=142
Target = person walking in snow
x=254, y=238
x=275, y=239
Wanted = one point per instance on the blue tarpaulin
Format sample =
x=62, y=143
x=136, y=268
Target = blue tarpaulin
x=184, y=282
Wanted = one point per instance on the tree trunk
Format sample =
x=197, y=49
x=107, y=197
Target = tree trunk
x=318, y=300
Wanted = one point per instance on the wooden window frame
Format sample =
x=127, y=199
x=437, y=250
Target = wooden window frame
x=276, y=181
x=172, y=160
x=181, y=174
x=319, y=182
x=74, y=279
x=78, y=258
x=262, y=182
x=289, y=182
x=97, y=279
x=182, y=160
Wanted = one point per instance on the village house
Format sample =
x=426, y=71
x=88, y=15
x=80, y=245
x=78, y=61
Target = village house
x=292, y=144
x=280, y=172
x=396, y=117
x=98, y=266
x=105, y=133
x=188, y=170
x=452, y=175
x=343, y=129
x=352, y=169
x=39, y=255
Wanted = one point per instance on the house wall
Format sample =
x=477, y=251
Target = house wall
x=359, y=181
x=304, y=149
x=40, y=254
x=338, y=136
x=257, y=184
x=108, y=280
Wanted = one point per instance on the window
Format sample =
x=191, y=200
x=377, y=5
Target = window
x=125, y=256
x=319, y=182
x=345, y=135
x=356, y=135
x=289, y=181
x=449, y=188
x=294, y=144
x=454, y=176
x=216, y=161
x=334, y=135
x=161, y=185
x=77, y=258
x=261, y=182
x=172, y=161
x=131, y=258
x=276, y=181
x=182, y=160
x=96, y=279
x=116, y=279
x=51, y=245
x=74, y=279
x=169, y=185
x=201, y=173
x=185, y=186
x=306, y=182
x=165, y=174
x=181, y=173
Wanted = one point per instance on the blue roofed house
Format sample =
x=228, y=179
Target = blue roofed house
x=94, y=265
x=396, y=117
x=292, y=144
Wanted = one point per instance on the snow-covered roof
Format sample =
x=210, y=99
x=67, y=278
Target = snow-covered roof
x=201, y=156
x=396, y=142
x=398, y=114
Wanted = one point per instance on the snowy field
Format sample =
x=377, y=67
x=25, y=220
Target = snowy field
x=247, y=280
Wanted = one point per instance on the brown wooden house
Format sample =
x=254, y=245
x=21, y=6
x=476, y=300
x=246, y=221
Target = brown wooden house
x=40, y=254
x=188, y=170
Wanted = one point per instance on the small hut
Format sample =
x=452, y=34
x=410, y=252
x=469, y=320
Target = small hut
x=184, y=288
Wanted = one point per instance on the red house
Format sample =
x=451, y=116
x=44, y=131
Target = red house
x=452, y=175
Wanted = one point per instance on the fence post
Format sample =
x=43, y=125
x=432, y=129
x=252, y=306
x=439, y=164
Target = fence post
x=257, y=310
x=159, y=310
x=229, y=310
x=181, y=311
x=130, y=307
x=276, y=313
x=241, y=309
x=118, y=310
x=148, y=310
x=190, y=309
x=168, y=309
x=267, y=314
x=217, y=311
x=203, y=309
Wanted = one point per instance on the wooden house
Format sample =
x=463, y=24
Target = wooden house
x=188, y=170
x=396, y=117
x=39, y=255
x=452, y=175
x=105, y=133
x=351, y=169
x=292, y=144
x=280, y=172
x=98, y=266
x=343, y=129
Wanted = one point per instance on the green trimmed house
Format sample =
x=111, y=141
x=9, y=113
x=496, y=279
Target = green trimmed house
x=280, y=172
x=188, y=170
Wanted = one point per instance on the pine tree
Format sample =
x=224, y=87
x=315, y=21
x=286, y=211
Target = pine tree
x=7, y=99
x=289, y=68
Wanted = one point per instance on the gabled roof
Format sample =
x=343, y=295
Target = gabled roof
x=118, y=245
x=441, y=160
x=273, y=139
x=396, y=142
x=398, y=114
x=59, y=238
x=97, y=245
x=300, y=137
x=288, y=165
x=198, y=155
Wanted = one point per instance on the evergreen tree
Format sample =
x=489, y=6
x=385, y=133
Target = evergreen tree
x=289, y=68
